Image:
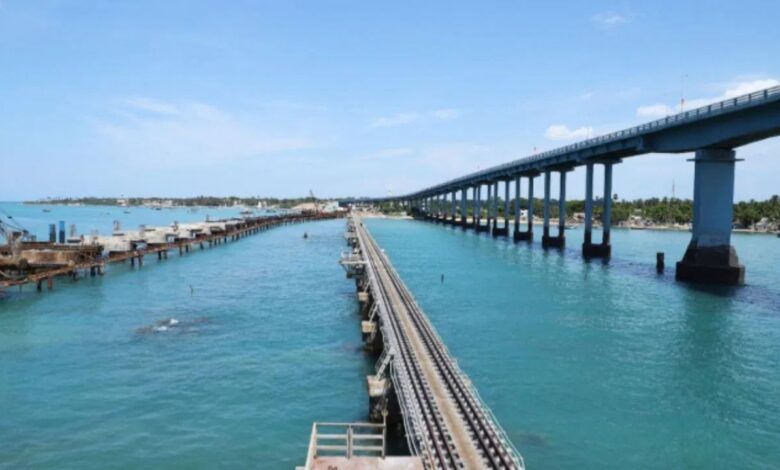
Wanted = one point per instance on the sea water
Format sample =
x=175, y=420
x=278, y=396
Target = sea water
x=585, y=364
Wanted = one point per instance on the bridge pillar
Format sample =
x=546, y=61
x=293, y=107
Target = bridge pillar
x=517, y=206
x=559, y=241
x=529, y=235
x=710, y=256
x=546, y=207
x=463, y=194
x=499, y=230
x=495, y=206
x=489, y=207
x=506, y=206
x=477, y=206
x=603, y=249
x=454, y=205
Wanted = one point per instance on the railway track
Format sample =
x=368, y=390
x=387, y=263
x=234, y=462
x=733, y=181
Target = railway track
x=455, y=429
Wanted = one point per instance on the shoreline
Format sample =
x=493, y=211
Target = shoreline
x=572, y=225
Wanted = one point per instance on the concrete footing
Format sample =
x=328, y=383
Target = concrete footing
x=372, y=337
x=715, y=265
x=525, y=236
x=553, y=242
x=500, y=231
x=596, y=250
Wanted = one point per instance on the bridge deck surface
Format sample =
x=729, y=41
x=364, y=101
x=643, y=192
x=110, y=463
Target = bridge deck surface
x=456, y=427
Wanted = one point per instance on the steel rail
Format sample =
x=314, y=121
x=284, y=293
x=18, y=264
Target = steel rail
x=477, y=425
x=481, y=427
x=496, y=448
x=436, y=433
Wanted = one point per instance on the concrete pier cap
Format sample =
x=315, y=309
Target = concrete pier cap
x=710, y=258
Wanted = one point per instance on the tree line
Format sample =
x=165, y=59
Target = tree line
x=655, y=210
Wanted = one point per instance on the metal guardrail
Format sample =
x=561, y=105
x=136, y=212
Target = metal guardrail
x=731, y=104
x=348, y=440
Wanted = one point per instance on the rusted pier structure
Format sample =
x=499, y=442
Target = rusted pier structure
x=417, y=382
x=40, y=263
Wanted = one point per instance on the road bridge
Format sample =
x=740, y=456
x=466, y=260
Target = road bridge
x=712, y=132
x=447, y=425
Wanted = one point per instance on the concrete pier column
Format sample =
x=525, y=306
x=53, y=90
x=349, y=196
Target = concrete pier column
x=506, y=204
x=495, y=205
x=463, y=193
x=603, y=249
x=477, y=206
x=588, y=204
x=607, y=205
x=530, y=206
x=490, y=206
x=562, y=206
x=546, y=226
x=453, y=207
x=710, y=256
x=517, y=206
x=560, y=240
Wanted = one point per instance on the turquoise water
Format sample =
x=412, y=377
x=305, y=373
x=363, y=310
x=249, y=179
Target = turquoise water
x=594, y=366
x=585, y=365
x=267, y=343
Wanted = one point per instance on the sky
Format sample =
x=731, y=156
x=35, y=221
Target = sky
x=356, y=98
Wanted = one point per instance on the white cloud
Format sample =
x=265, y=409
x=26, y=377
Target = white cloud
x=147, y=130
x=445, y=114
x=654, y=111
x=561, y=132
x=733, y=90
x=141, y=103
x=609, y=19
x=396, y=120
x=743, y=88
x=401, y=119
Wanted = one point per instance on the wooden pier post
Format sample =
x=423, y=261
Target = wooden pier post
x=50, y=283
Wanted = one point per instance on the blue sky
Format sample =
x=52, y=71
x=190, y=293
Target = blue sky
x=181, y=98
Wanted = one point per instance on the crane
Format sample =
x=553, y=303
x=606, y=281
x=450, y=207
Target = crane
x=314, y=201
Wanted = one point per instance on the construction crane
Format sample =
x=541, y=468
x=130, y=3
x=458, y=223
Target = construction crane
x=13, y=233
x=314, y=201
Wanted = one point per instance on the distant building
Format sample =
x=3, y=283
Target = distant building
x=331, y=206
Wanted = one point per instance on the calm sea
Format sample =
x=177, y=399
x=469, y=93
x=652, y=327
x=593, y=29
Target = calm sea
x=585, y=365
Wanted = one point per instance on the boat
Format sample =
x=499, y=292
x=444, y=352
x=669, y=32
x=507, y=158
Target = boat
x=46, y=210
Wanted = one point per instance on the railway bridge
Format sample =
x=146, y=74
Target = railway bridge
x=417, y=383
x=712, y=133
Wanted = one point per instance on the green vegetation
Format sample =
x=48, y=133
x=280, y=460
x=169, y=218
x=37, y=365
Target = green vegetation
x=653, y=210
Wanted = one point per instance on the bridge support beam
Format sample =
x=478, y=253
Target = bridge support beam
x=489, y=208
x=453, y=207
x=477, y=207
x=710, y=257
x=463, y=194
x=559, y=241
x=502, y=231
x=527, y=235
x=603, y=249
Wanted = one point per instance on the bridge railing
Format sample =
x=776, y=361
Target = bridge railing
x=749, y=99
x=347, y=440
